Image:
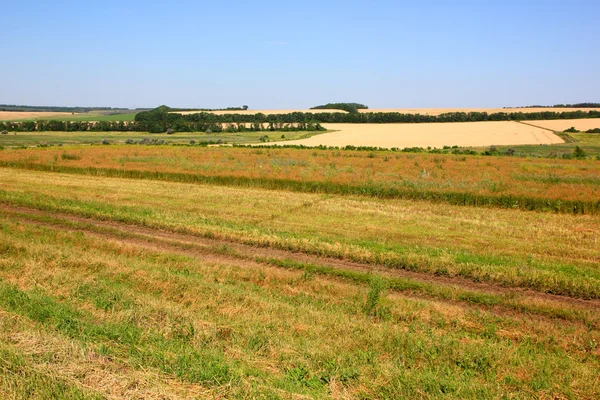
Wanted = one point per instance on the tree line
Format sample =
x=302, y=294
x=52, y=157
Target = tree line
x=161, y=119
x=576, y=105
x=155, y=127
x=12, y=107
x=161, y=115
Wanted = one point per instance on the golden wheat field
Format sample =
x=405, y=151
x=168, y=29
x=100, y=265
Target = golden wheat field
x=430, y=134
x=15, y=115
x=560, y=125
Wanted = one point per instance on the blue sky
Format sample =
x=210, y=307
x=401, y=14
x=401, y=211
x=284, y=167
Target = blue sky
x=275, y=54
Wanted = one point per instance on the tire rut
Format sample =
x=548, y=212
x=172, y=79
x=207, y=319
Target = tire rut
x=206, y=248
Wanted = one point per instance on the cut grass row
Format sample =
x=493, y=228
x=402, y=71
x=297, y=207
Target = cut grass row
x=546, y=252
x=263, y=331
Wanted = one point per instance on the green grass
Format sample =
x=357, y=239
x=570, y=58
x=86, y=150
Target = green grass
x=149, y=284
x=70, y=301
x=516, y=249
x=589, y=142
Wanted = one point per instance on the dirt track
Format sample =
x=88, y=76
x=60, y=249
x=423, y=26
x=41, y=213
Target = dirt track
x=214, y=250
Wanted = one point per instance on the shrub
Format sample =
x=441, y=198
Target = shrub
x=170, y=131
x=192, y=142
x=571, y=130
x=510, y=151
x=264, y=138
x=67, y=156
x=579, y=153
x=5, y=132
x=595, y=130
x=105, y=141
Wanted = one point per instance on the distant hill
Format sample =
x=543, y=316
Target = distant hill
x=576, y=105
x=12, y=107
x=350, y=107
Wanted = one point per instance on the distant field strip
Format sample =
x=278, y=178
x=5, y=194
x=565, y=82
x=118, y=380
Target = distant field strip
x=562, y=125
x=461, y=134
x=18, y=115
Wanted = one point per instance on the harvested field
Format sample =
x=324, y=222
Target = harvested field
x=463, y=134
x=17, y=115
x=144, y=288
x=438, y=111
x=105, y=292
x=561, y=125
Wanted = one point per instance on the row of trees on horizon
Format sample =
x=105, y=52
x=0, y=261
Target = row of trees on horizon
x=161, y=119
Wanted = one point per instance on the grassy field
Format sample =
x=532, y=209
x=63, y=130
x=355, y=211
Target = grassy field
x=131, y=271
x=89, y=137
x=134, y=288
x=589, y=142
x=542, y=184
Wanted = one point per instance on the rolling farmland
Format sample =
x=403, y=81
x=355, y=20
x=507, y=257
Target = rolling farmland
x=186, y=271
x=297, y=201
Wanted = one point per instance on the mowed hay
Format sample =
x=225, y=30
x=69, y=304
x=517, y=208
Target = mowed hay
x=266, y=112
x=438, y=111
x=430, y=135
x=561, y=124
x=16, y=115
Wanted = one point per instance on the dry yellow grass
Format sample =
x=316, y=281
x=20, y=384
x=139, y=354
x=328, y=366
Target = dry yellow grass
x=438, y=111
x=13, y=115
x=561, y=125
x=434, y=135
